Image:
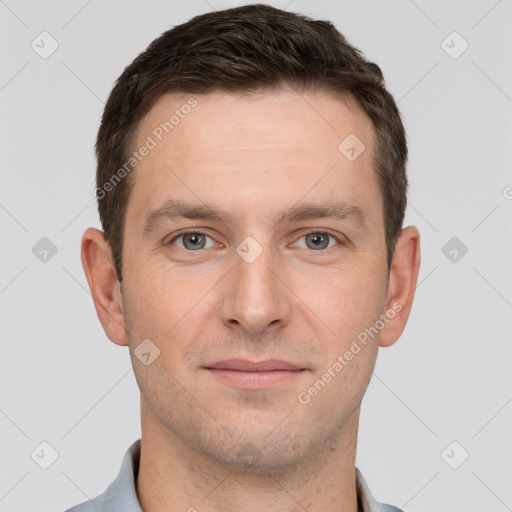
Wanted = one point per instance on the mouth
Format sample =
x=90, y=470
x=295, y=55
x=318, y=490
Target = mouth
x=246, y=374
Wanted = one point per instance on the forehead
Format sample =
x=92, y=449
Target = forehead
x=273, y=146
x=290, y=117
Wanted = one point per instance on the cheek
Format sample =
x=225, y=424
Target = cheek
x=347, y=300
x=339, y=387
x=348, y=304
x=165, y=306
x=158, y=292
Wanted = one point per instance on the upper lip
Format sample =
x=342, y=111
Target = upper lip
x=245, y=365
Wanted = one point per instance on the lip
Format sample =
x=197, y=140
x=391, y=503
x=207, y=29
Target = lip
x=246, y=374
x=245, y=365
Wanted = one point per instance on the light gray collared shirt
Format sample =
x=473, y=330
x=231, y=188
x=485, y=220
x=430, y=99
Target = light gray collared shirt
x=121, y=495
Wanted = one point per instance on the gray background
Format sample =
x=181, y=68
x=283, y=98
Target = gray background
x=448, y=379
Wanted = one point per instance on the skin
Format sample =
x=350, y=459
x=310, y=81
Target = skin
x=206, y=443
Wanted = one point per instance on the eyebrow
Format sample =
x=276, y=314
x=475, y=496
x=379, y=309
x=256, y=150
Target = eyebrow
x=174, y=210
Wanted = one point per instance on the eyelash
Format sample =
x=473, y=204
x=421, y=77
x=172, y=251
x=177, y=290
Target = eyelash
x=313, y=231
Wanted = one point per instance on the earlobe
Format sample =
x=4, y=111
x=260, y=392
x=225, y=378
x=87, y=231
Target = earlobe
x=103, y=283
x=402, y=285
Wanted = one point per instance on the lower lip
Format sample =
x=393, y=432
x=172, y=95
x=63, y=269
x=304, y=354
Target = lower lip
x=254, y=380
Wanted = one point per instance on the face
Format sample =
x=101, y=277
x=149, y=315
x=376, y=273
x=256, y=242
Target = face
x=250, y=237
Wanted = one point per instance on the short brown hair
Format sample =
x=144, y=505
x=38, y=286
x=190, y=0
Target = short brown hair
x=242, y=50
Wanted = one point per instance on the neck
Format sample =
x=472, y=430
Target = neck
x=174, y=477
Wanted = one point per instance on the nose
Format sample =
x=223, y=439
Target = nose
x=254, y=298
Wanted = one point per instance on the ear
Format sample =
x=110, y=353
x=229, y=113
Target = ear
x=402, y=285
x=103, y=283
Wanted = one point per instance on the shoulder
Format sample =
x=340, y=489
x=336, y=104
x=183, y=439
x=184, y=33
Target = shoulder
x=121, y=493
x=87, y=506
x=390, y=508
x=366, y=501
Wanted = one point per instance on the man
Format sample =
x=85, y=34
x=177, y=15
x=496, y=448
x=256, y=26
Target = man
x=251, y=187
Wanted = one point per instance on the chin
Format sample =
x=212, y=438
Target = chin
x=260, y=453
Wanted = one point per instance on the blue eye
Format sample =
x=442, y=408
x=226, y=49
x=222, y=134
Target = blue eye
x=318, y=240
x=193, y=241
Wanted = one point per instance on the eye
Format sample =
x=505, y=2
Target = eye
x=192, y=241
x=318, y=240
